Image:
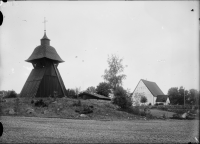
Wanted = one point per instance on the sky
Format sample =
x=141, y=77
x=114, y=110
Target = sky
x=158, y=41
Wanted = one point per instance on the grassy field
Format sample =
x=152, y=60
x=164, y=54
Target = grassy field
x=158, y=113
x=55, y=130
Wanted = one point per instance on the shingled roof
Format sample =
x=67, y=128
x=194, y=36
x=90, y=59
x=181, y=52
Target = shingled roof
x=161, y=98
x=96, y=96
x=45, y=51
x=153, y=88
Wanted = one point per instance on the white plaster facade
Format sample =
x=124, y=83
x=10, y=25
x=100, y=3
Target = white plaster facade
x=142, y=89
x=167, y=101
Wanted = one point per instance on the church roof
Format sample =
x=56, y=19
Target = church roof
x=161, y=98
x=94, y=95
x=45, y=36
x=153, y=88
x=45, y=51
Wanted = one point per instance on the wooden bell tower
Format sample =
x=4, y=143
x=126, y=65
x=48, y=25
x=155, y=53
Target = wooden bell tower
x=44, y=79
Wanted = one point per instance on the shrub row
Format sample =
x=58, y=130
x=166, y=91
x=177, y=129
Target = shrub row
x=177, y=108
x=179, y=111
x=165, y=107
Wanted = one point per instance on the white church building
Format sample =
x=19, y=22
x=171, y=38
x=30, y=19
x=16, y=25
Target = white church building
x=148, y=89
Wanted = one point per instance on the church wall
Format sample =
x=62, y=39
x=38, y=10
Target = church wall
x=48, y=85
x=142, y=89
x=50, y=71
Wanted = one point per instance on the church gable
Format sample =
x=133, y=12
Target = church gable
x=142, y=90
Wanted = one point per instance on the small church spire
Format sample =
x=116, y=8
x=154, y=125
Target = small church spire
x=45, y=40
x=45, y=24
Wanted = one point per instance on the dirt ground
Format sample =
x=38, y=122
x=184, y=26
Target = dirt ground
x=55, y=130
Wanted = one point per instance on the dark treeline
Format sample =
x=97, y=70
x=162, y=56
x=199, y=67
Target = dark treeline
x=177, y=95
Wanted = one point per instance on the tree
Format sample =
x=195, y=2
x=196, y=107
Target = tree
x=112, y=74
x=181, y=96
x=103, y=89
x=11, y=94
x=71, y=93
x=192, y=97
x=143, y=99
x=137, y=98
x=129, y=93
x=91, y=89
x=177, y=96
x=173, y=94
x=77, y=90
x=121, y=98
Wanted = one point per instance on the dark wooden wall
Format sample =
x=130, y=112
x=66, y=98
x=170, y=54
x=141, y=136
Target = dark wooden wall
x=44, y=81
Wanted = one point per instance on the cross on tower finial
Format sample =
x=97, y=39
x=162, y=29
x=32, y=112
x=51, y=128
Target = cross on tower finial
x=44, y=24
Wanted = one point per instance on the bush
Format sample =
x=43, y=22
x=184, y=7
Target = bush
x=121, y=98
x=40, y=103
x=71, y=93
x=143, y=99
x=162, y=107
x=32, y=101
x=87, y=110
x=179, y=111
x=133, y=110
x=175, y=108
x=142, y=113
x=78, y=103
x=91, y=89
x=84, y=110
x=153, y=107
x=11, y=94
x=136, y=110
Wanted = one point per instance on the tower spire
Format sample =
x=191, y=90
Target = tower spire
x=45, y=24
x=45, y=40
